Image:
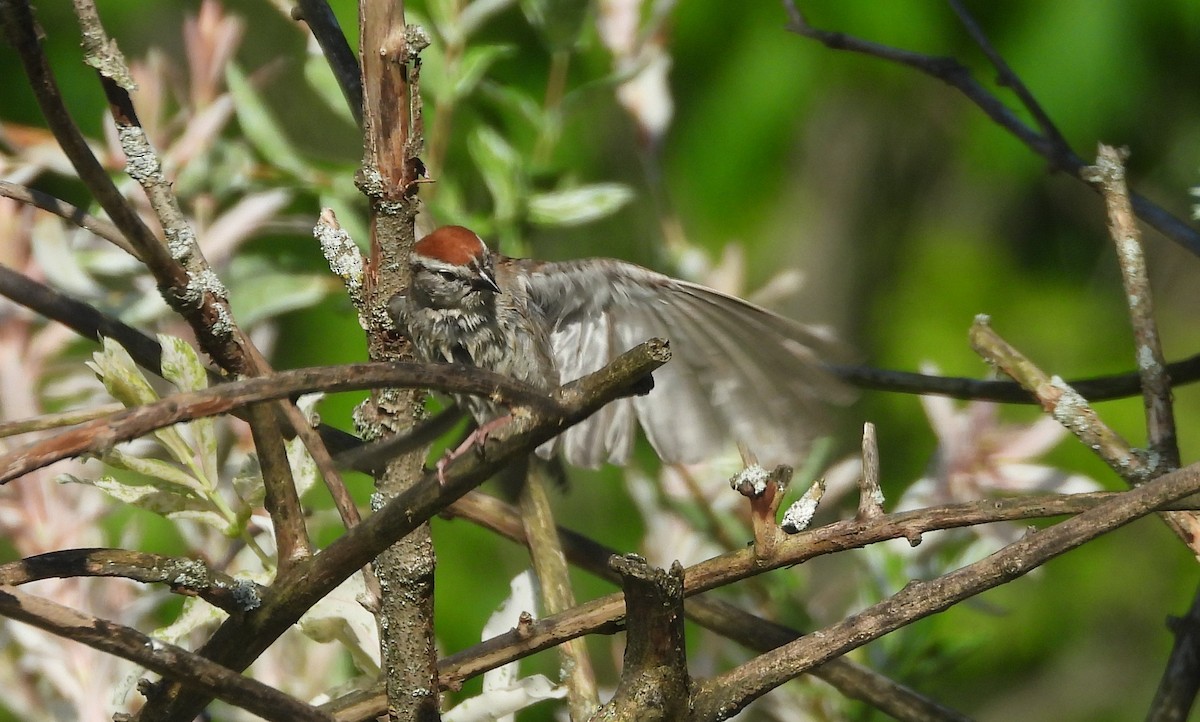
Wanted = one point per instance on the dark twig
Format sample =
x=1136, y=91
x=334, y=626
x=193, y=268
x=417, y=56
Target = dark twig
x=1177, y=689
x=66, y=211
x=1099, y=388
x=172, y=662
x=956, y=75
x=325, y=28
x=1006, y=77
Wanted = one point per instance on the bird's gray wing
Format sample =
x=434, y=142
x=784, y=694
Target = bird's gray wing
x=737, y=371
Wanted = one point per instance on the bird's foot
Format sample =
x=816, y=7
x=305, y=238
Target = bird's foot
x=476, y=438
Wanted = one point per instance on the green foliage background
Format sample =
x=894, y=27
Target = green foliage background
x=908, y=210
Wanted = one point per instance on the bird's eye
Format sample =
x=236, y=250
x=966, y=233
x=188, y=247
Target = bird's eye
x=447, y=275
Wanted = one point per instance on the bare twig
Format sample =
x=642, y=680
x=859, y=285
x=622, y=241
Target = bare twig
x=654, y=678
x=168, y=660
x=870, y=496
x=54, y=421
x=66, y=211
x=1177, y=690
x=597, y=615
x=764, y=489
x=1060, y=401
x=1073, y=411
x=1109, y=173
x=956, y=75
x=854, y=680
x=390, y=61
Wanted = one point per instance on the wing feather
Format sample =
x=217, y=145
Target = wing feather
x=738, y=371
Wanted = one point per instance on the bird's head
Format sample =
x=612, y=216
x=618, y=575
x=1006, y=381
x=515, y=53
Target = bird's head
x=451, y=265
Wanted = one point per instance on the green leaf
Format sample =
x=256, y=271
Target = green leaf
x=578, y=205
x=161, y=475
x=248, y=483
x=516, y=101
x=474, y=15
x=121, y=377
x=263, y=132
x=160, y=498
x=260, y=296
x=181, y=365
x=561, y=21
x=500, y=166
x=474, y=66
x=196, y=614
x=320, y=78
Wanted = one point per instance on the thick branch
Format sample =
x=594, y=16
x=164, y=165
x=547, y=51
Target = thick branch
x=654, y=679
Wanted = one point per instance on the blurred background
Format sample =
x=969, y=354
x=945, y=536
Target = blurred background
x=706, y=141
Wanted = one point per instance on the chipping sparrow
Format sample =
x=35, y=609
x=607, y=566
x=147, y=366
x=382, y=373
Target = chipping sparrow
x=737, y=371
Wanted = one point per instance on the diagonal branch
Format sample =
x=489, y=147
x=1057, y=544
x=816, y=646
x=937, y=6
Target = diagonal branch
x=325, y=28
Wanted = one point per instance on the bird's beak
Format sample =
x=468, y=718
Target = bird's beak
x=483, y=281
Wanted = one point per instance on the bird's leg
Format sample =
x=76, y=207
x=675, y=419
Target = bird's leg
x=477, y=437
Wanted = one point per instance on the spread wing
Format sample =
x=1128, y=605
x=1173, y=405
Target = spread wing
x=737, y=371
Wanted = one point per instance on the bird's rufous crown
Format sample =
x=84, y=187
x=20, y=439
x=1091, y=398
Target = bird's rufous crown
x=452, y=244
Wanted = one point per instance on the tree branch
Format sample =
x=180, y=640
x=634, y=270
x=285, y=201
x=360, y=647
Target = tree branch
x=240, y=640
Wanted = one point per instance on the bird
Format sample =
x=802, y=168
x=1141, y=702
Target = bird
x=738, y=371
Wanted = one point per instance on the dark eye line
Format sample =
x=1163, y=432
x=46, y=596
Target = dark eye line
x=447, y=275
